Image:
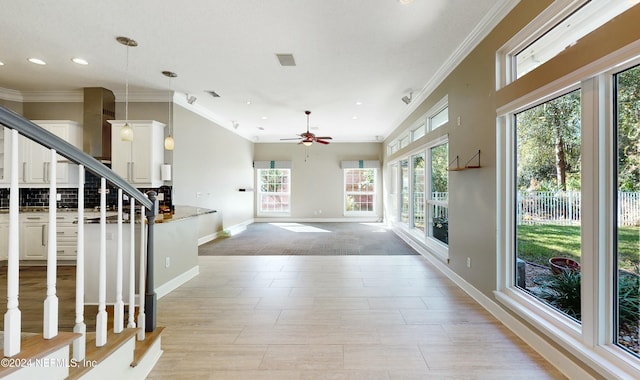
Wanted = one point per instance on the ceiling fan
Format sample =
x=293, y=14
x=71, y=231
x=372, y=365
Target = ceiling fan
x=307, y=138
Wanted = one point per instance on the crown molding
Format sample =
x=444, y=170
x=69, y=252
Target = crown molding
x=11, y=95
x=498, y=12
x=77, y=96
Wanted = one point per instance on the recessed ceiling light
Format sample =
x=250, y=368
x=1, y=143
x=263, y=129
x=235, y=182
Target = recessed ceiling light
x=355, y=118
x=248, y=102
x=358, y=103
x=405, y=2
x=264, y=118
x=37, y=61
x=1, y=63
x=80, y=61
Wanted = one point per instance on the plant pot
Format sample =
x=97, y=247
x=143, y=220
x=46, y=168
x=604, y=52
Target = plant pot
x=561, y=264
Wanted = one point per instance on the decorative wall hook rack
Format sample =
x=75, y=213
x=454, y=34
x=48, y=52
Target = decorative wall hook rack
x=473, y=166
x=457, y=167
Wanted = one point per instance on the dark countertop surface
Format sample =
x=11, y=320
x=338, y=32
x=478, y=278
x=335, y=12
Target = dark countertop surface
x=92, y=215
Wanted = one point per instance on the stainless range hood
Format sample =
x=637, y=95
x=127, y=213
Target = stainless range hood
x=99, y=106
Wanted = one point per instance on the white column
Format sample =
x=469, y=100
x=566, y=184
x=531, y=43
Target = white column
x=12, y=318
x=118, y=308
x=50, y=322
x=101, y=318
x=142, y=276
x=79, y=345
x=132, y=263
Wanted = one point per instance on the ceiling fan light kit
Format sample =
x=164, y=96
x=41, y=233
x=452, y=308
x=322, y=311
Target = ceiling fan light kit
x=307, y=138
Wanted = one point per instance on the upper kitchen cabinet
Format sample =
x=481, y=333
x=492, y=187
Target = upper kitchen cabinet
x=34, y=160
x=138, y=161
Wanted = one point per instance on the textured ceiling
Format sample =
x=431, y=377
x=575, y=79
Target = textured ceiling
x=355, y=59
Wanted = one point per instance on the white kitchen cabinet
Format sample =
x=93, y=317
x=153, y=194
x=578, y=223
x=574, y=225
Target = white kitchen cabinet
x=138, y=161
x=34, y=235
x=4, y=236
x=35, y=160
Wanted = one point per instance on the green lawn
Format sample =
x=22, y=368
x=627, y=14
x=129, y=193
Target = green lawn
x=537, y=243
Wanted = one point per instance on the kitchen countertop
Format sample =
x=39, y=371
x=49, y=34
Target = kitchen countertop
x=92, y=215
x=181, y=212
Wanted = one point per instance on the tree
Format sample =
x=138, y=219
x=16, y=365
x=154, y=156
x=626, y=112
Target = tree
x=627, y=122
x=548, y=138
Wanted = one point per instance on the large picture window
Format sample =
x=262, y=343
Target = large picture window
x=627, y=199
x=274, y=191
x=548, y=202
x=438, y=200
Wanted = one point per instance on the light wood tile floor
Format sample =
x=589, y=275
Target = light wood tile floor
x=333, y=317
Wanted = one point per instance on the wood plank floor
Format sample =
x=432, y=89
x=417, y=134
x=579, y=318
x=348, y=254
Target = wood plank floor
x=338, y=317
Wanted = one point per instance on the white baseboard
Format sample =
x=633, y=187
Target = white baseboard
x=235, y=229
x=175, y=282
x=554, y=356
x=374, y=219
x=207, y=238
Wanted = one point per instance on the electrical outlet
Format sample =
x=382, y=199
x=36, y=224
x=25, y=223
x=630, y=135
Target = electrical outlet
x=468, y=262
x=167, y=262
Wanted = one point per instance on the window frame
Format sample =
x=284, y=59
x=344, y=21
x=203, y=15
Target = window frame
x=594, y=339
x=373, y=193
x=260, y=193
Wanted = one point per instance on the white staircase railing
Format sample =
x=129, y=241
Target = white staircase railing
x=18, y=126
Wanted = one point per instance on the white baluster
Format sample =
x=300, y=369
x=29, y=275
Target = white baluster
x=132, y=263
x=79, y=345
x=12, y=318
x=101, y=319
x=51, y=302
x=118, y=308
x=142, y=276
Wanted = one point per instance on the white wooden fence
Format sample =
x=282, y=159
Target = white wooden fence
x=563, y=207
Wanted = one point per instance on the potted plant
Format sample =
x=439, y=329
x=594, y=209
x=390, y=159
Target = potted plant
x=563, y=264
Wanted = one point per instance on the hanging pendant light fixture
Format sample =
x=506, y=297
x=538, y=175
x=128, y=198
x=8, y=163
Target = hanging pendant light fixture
x=168, y=141
x=126, y=132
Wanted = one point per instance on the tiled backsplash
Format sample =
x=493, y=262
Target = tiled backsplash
x=36, y=197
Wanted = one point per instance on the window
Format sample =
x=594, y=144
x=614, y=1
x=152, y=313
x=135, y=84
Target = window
x=548, y=152
x=559, y=27
x=438, y=200
x=418, y=131
x=579, y=200
x=627, y=204
x=274, y=191
x=404, y=141
x=404, y=192
x=418, y=166
x=360, y=190
x=439, y=119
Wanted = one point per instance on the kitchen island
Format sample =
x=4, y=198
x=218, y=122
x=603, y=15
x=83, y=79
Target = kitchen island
x=176, y=240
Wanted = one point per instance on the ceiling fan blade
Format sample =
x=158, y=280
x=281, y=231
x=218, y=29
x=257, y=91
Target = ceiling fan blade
x=322, y=141
x=324, y=138
x=294, y=138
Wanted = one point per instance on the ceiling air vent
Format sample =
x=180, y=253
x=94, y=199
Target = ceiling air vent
x=286, y=59
x=214, y=94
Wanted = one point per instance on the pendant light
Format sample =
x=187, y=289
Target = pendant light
x=126, y=132
x=168, y=141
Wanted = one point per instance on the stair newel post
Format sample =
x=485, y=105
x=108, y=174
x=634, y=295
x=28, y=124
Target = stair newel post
x=13, y=317
x=101, y=318
x=118, y=308
x=141, y=276
x=150, y=294
x=50, y=322
x=79, y=345
x=132, y=263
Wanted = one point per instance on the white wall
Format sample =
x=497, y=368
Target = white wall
x=210, y=164
x=317, y=190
